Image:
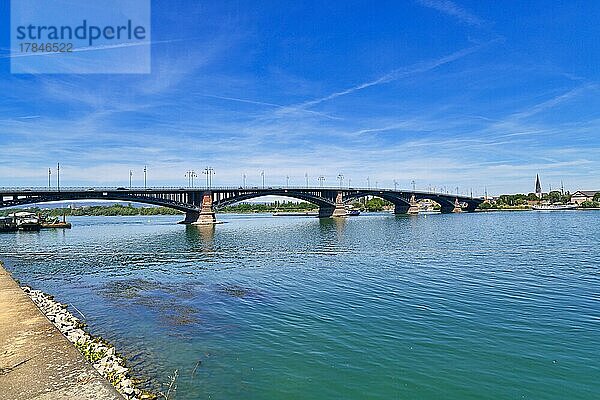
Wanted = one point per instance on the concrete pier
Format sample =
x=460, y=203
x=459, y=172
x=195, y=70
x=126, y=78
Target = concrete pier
x=457, y=207
x=205, y=216
x=36, y=361
x=414, y=206
x=339, y=210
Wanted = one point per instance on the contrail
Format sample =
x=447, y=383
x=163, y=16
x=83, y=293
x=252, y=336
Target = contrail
x=262, y=103
x=397, y=74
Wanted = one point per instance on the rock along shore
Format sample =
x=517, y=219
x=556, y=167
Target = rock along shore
x=37, y=362
x=97, y=351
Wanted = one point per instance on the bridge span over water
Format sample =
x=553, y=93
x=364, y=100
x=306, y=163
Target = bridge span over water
x=200, y=204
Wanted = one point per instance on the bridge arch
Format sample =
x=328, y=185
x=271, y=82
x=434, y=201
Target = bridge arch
x=448, y=203
x=401, y=205
x=156, y=201
x=310, y=198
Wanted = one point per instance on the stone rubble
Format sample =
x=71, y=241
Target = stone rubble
x=102, y=355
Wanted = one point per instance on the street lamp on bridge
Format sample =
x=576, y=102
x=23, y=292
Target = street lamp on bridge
x=191, y=174
x=262, y=174
x=130, y=177
x=244, y=180
x=58, y=177
x=395, y=185
x=209, y=172
x=49, y=174
x=340, y=178
x=145, y=174
x=368, y=183
x=321, y=180
x=306, y=177
x=287, y=181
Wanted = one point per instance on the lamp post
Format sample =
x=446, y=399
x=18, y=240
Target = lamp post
x=145, y=175
x=306, y=177
x=244, y=180
x=49, y=174
x=340, y=178
x=58, y=177
x=130, y=176
x=349, y=183
x=209, y=171
x=321, y=180
x=395, y=185
x=287, y=181
x=191, y=174
x=413, y=183
x=262, y=174
x=368, y=183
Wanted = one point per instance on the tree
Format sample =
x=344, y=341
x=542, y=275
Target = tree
x=377, y=204
x=597, y=197
x=554, y=197
x=590, y=204
x=485, y=205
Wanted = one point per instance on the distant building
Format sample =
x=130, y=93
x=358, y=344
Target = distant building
x=581, y=196
x=538, y=186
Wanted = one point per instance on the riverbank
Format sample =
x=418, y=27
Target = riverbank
x=37, y=361
x=48, y=354
x=531, y=209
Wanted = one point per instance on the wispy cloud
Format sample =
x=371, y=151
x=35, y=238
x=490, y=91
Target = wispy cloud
x=557, y=100
x=395, y=75
x=262, y=103
x=241, y=104
x=454, y=10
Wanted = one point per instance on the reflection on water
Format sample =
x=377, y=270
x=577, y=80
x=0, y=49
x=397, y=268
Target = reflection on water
x=377, y=306
x=201, y=237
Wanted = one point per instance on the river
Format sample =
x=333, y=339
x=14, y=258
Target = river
x=471, y=306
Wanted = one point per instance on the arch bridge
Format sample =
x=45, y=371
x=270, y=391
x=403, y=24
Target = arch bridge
x=200, y=204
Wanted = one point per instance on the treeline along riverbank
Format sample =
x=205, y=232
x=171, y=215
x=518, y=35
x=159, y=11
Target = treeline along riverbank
x=112, y=210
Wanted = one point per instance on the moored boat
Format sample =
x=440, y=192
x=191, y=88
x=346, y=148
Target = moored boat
x=554, y=207
x=26, y=221
x=54, y=223
x=296, y=214
x=7, y=224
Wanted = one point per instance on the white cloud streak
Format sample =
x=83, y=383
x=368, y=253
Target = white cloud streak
x=394, y=75
x=454, y=10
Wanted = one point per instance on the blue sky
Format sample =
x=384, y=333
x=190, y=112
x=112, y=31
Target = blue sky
x=467, y=94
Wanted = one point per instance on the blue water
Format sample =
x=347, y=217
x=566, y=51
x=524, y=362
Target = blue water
x=471, y=306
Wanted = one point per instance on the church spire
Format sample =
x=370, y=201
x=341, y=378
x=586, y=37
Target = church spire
x=538, y=186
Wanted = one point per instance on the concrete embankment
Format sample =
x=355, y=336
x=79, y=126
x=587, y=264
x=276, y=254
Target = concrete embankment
x=36, y=360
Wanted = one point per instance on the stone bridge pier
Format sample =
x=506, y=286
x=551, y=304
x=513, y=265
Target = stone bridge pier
x=402, y=206
x=336, y=210
x=204, y=216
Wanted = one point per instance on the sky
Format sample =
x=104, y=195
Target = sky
x=470, y=94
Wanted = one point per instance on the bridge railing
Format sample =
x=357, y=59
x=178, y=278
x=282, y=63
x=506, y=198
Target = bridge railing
x=137, y=190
